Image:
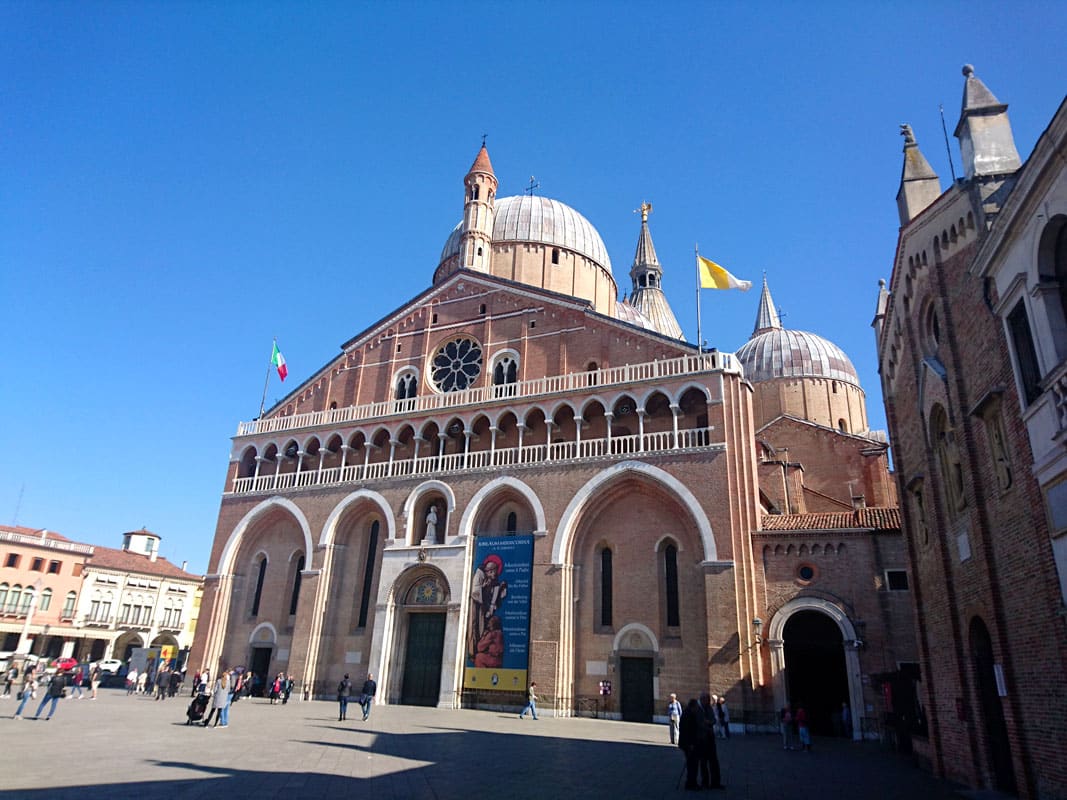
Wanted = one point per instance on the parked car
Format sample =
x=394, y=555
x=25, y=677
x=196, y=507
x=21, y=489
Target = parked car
x=65, y=664
x=109, y=665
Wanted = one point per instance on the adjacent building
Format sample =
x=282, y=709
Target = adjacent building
x=64, y=598
x=972, y=343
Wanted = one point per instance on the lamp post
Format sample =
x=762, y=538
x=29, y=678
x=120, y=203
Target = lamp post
x=25, y=642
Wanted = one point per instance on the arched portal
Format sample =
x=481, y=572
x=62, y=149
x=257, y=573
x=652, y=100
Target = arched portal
x=421, y=621
x=815, y=668
x=815, y=661
x=998, y=747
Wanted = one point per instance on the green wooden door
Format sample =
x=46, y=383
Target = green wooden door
x=422, y=666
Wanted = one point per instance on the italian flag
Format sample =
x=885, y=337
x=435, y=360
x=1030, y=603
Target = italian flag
x=278, y=360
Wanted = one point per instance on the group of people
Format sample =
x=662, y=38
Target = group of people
x=365, y=699
x=695, y=728
x=280, y=688
x=77, y=682
x=794, y=727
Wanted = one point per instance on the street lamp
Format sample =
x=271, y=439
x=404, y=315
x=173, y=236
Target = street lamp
x=25, y=643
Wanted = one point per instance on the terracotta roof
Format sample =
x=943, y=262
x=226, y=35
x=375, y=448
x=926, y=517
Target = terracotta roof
x=481, y=163
x=884, y=519
x=124, y=560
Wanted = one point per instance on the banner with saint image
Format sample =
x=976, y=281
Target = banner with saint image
x=498, y=626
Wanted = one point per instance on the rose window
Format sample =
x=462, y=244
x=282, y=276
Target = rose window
x=456, y=365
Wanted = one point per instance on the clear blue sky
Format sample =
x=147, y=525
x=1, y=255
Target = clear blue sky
x=181, y=182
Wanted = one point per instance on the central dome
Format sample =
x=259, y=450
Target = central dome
x=527, y=218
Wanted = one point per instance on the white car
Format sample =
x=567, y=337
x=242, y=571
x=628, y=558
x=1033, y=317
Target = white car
x=111, y=665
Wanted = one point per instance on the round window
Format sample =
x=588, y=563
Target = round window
x=456, y=365
x=806, y=573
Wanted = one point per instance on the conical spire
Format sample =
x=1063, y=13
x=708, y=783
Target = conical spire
x=987, y=146
x=767, y=316
x=645, y=255
x=919, y=184
x=482, y=163
x=647, y=276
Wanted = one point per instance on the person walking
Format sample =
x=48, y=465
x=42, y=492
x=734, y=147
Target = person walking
x=9, y=680
x=688, y=741
x=674, y=716
x=77, y=692
x=802, y=729
x=131, y=681
x=710, y=773
x=531, y=702
x=57, y=688
x=724, y=718
x=344, y=691
x=370, y=688
x=785, y=722
x=220, y=699
x=94, y=681
x=287, y=689
x=142, y=681
x=29, y=687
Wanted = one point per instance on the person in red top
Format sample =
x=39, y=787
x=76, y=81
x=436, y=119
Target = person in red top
x=802, y=729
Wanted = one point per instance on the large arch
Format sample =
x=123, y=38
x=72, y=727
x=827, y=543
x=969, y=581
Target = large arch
x=329, y=529
x=466, y=522
x=568, y=524
x=229, y=552
x=851, y=644
x=419, y=491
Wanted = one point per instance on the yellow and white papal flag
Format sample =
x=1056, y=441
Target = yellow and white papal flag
x=712, y=276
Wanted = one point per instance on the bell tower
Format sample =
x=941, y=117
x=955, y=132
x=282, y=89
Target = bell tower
x=480, y=195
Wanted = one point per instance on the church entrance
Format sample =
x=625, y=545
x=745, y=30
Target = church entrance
x=422, y=662
x=260, y=666
x=996, y=729
x=635, y=694
x=815, y=668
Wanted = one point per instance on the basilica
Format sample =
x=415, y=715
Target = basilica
x=518, y=476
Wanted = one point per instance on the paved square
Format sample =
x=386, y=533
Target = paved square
x=135, y=747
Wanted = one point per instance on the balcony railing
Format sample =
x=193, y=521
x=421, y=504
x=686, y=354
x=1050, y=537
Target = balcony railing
x=51, y=544
x=556, y=384
x=688, y=440
x=99, y=620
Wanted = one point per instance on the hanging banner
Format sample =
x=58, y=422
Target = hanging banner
x=498, y=626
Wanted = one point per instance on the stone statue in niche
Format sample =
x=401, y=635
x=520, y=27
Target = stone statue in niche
x=431, y=526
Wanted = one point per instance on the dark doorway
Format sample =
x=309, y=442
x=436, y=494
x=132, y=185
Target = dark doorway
x=996, y=730
x=260, y=665
x=635, y=695
x=815, y=668
x=422, y=664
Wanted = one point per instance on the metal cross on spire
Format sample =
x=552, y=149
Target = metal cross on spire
x=644, y=210
x=484, y=136
x=534, y=184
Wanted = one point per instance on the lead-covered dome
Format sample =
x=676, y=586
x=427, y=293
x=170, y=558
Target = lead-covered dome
x=527, y=218
x=780, y=353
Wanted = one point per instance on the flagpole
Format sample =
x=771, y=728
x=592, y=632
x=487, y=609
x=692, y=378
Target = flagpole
x=696, y=263
x=266, y=382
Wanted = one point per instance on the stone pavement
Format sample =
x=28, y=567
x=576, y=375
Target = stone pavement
x=134, y=747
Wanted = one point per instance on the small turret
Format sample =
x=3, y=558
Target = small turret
x=647, y=277
x=767, y=315
x=919, y=184
x=478, y=212
x=986, y=142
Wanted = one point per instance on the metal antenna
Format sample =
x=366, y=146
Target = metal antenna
x=944, y=130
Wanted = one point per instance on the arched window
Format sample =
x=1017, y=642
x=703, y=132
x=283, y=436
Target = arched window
x=406, y=386
x=68, y=605
x=505, y=374
x=45, y=601
x=555, y=255
x=670, y=572
x=368, y=573
x=475, y=192
x=14, y=597
x=259, y=585
x=27, y=600
x=512, y=522
x=842, y=426
x=605, y=587
x=3, y=595
x=296, y=586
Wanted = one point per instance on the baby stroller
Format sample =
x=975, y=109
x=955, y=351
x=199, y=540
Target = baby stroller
x=196, y=710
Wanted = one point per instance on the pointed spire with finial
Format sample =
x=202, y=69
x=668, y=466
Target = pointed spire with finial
x=987, y=145
x=476, y=237
x=647, y=277
x=919, y=184
x=767, y=315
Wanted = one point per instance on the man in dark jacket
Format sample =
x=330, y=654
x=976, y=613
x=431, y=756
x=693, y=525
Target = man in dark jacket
x=344, y=690
x=688, y=739
x=57, y=687
x=711, y=777
x=370, y=688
